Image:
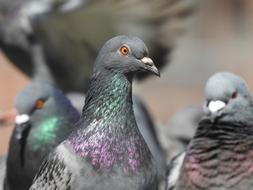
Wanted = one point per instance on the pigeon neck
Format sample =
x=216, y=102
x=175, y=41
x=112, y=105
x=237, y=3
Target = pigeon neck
x=109, y=136
x=108, y=93
x=221, y=149
x=41, y=71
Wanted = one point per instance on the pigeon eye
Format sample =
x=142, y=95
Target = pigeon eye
x=234, y=95
x=39, y=104
x=124, y=50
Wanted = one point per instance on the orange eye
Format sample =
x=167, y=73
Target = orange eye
x=124, y=50
x=39, y=104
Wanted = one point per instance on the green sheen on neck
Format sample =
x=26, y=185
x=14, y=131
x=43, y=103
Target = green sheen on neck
x=44, y=133
x=108, y=94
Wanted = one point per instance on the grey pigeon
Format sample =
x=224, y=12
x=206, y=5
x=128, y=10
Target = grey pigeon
x=219, y=156
x=147, y=128
x=45, y=118
x=48, y=39
x=182, y=125
x=2, y=170
x=179, y=130
x=145, y=124
x=77, y=99
x=106, y=151
x=17, y=39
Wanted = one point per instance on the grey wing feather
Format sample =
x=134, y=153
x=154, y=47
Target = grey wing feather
x=173, y=171
x=53, y=174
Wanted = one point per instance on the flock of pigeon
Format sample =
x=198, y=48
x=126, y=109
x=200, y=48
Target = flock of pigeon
x=110, y=144
x=106, y=139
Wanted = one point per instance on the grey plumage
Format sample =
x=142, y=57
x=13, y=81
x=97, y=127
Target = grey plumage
x=183, y=123
x=77, y=99
x=106, y=151
x=44, y=120
x=145, y=124
x=175, y=135
x=220, y=153
x=35, y=33
x=2, y=170
x=179, y=130
x=225, y=87
x=148, y=129
x=173, y=171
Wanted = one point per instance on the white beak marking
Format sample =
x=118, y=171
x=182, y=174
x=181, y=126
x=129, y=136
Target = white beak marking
x=215, y=106
x=20, y=119
x=147, y=60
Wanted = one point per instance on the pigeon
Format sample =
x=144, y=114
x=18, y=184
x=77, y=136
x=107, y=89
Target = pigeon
x=179, y=130
x=2, y=170
x=46, y=39
x=44, y=119
x=143, y=119
x=77, y=99
x=220, y=154
x=182, y=125
x=106, y=150
x=145, y=124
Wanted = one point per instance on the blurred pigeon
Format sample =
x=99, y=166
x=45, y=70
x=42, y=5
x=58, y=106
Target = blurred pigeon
x=106, y=151
x=44, y=119
x=181, y=127
x=173, y=171
x=148, y=130
x=2, y=170
x=77, y=99
x=220, y=154
x=51, y=35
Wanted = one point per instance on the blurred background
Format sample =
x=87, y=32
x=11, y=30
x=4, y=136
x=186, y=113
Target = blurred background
x=189, y=39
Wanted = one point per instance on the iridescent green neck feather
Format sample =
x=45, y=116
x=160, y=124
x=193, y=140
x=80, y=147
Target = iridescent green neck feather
x=109, y=135
x=114, y=94
x=45, y=132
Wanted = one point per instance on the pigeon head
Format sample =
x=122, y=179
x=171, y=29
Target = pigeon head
x=40, y=109
x=126, y=55
x=29, y=102
x=225, y=94
x=34, y=100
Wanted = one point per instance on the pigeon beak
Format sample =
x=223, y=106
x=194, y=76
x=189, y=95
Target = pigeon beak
x=215, y=106
x=150, y=66
x=22, y=126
